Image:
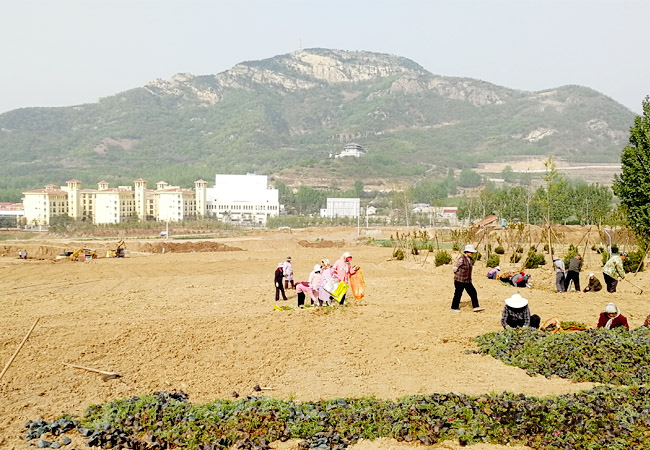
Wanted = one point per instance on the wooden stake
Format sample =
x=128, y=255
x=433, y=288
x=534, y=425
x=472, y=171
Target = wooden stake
x=641, y=262
x=19, y=347
x=107, y=375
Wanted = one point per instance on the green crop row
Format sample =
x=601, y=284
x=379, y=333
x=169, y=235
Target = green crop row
x=617, y=356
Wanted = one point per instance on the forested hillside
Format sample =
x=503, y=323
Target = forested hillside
x=295, y=110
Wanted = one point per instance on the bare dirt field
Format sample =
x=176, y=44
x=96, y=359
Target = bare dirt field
x=602, y=173
x=203, y=322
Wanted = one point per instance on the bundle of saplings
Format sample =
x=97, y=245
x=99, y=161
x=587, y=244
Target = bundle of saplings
x=617, y=356
x=605, y=417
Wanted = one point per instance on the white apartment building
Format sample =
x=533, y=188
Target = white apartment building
x=41, y=205
x=242, y=199
x=106, y=205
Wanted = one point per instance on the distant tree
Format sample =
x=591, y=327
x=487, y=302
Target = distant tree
x=358, y=188
x=632, y=186
x=508, y=174
x=468, y=178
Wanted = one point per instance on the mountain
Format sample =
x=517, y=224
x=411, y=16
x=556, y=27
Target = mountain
x=292, y=111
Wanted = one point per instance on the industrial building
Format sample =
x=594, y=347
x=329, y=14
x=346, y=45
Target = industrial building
x=341, y=207
x=244, y=199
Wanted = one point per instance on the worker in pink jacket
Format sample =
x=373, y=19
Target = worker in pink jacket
x=343, y=268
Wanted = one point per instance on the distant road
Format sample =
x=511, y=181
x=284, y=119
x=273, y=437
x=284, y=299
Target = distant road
x=614, y=166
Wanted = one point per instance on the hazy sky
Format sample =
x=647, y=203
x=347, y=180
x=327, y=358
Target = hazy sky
x=66, y=52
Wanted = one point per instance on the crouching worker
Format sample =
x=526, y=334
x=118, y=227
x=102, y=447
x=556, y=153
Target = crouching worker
x=516, y=314
x=493, y=273
x=520, y=280
x=594, y=284
x=612, y=318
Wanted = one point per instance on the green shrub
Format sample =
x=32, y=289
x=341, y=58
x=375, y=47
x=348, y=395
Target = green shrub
x=534, y=260
x=442, y=257
x=605, y=257
x=633, y=260
x=456, y=247
x=573, y=251
x=398, y=254
x=519, y=250
x=493, y=260
x=515, y=258
x=499, y=250
x=476, y=256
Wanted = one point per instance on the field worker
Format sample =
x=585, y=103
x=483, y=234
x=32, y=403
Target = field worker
x=560, y=274
x=594, y=284
x=324, y=297
x=314, y=283
x=288, y=274
x=520, y=280
x=463, y=279
x=573, y=274
x=343, y=268
x=493, y=273
x=612, y=318
x=613, y=271
x=516, y=313
x=279, y=288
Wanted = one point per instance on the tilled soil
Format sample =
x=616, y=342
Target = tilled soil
x=203, y=322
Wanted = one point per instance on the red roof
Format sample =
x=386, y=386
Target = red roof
x=73, y=181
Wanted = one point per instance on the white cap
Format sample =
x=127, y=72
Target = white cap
x=317, y=268
x=611, y=308
x=516, y=301
x=591, y=275
x=498, y=268
x=280, y=264
x=469, y=248
x=347, y=255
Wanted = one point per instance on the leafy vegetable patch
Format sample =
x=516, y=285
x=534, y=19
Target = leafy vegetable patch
x=617, y=356
x=605, y=417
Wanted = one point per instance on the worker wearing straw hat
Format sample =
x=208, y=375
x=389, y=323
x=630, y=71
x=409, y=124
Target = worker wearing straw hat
x=463, y=280
x=516, y=313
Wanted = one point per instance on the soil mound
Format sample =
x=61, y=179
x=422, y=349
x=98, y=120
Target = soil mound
x=187, y=247
x=321, y=244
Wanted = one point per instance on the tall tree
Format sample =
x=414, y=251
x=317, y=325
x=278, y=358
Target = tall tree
x=633, y=185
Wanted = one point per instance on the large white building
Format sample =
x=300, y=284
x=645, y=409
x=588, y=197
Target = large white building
x=242, y=199
x=341, y=207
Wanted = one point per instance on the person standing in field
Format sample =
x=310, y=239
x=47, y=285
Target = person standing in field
x=278, y=278
x=324, y=297
x=288, y=274
x=613, y=271
x=343, y=268
x=560, y=274
x=463, y=280
x=314, y=283
x=573, y=274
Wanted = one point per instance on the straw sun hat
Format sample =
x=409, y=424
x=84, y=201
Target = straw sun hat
x=516, y=301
